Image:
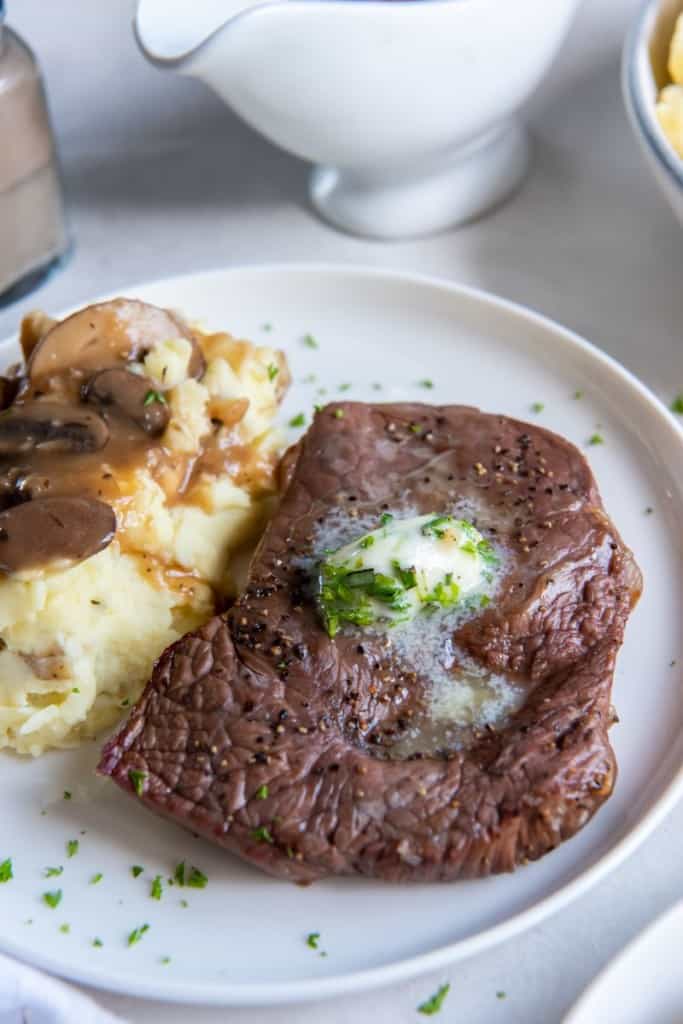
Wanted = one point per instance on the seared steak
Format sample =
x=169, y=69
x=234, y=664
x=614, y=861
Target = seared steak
x=311, y=756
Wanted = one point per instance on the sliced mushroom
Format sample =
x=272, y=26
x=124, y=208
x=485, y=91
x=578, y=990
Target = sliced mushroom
x=20, y=483
x=51, y=532
x=132, y=395
x=48, y=426
x=107, y=334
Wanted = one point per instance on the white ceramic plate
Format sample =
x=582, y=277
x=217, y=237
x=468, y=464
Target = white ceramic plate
x=643, y=983
x=242, y=940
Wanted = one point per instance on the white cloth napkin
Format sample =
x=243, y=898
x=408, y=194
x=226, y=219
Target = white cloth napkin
x=28, y=996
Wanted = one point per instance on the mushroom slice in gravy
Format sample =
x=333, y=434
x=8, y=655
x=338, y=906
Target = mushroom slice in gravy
x=51, y=426
x=132, y=395
x=105, y=335
x=50, y=532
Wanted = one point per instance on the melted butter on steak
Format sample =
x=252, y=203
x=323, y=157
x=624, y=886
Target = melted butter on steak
x=404, y=567
x=454, y=697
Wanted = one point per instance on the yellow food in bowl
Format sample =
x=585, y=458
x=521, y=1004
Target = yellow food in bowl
x=670, y=104
x=77, y=643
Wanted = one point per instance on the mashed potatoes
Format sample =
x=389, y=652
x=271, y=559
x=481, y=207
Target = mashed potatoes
x=670, y=105
x=78, y=644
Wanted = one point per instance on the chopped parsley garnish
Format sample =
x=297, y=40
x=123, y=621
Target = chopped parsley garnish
x=486, y=552
x=415, y=427
x=136, y=870
x=65, y=929
x=52, y=899
x=318, y=407
x=154, y=396
x=500, y=995
x=426, y=383
x=266, y=327
x=298, y=421
x=157, y=888
x=262, y=793
x=445, y=593
x=194, y=878
x=385, y=519
x=273, y=371
x=435, y=1002
x=346, y=595
x=97, y=943
x=262, y=834
x=338, y=414
x=367, y=542
x=677, y=404
x=6, y=870
x=137, y=934
x=310, y=379
x=74, y=689
x=67, y=794
x=53, y=872
x=376, y=386
x=165, y=960
x=137, y=781
x=596, y=439
x=537, y=406
x=72, y=847
x=312, y=939
x=184, y=903
x=345, y=387
x=437, y=527
x=408, y=577
x=197, y=879
x=577, y=395
x=96, y=879
x=309, y=341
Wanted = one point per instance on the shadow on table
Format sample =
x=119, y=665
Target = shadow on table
x=589, y=239
x=203, y=162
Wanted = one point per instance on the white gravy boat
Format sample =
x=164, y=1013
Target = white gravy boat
x=406, y=107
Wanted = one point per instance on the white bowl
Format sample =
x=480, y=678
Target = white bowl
x=408, y=108
x=643, y=75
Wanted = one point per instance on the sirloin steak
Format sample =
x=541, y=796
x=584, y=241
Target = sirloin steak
x=270, y=738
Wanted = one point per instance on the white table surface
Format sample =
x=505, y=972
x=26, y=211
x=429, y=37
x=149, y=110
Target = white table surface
x=162, y=179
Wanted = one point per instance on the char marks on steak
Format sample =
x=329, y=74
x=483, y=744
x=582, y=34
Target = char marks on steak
x=264, y=735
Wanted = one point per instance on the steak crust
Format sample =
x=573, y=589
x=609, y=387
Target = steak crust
x=266, y=736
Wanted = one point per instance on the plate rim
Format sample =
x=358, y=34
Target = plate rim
x=310, y=989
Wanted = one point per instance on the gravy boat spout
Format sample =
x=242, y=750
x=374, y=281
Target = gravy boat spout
x=171, y=32
x=407, y=107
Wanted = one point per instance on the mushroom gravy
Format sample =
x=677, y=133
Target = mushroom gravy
x=84, y=415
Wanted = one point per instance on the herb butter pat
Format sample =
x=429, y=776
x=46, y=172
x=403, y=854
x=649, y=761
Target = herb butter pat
x=388, y=575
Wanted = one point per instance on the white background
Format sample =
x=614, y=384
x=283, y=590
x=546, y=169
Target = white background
x=162, y=179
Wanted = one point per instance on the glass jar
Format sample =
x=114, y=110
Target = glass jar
x=33, y=233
